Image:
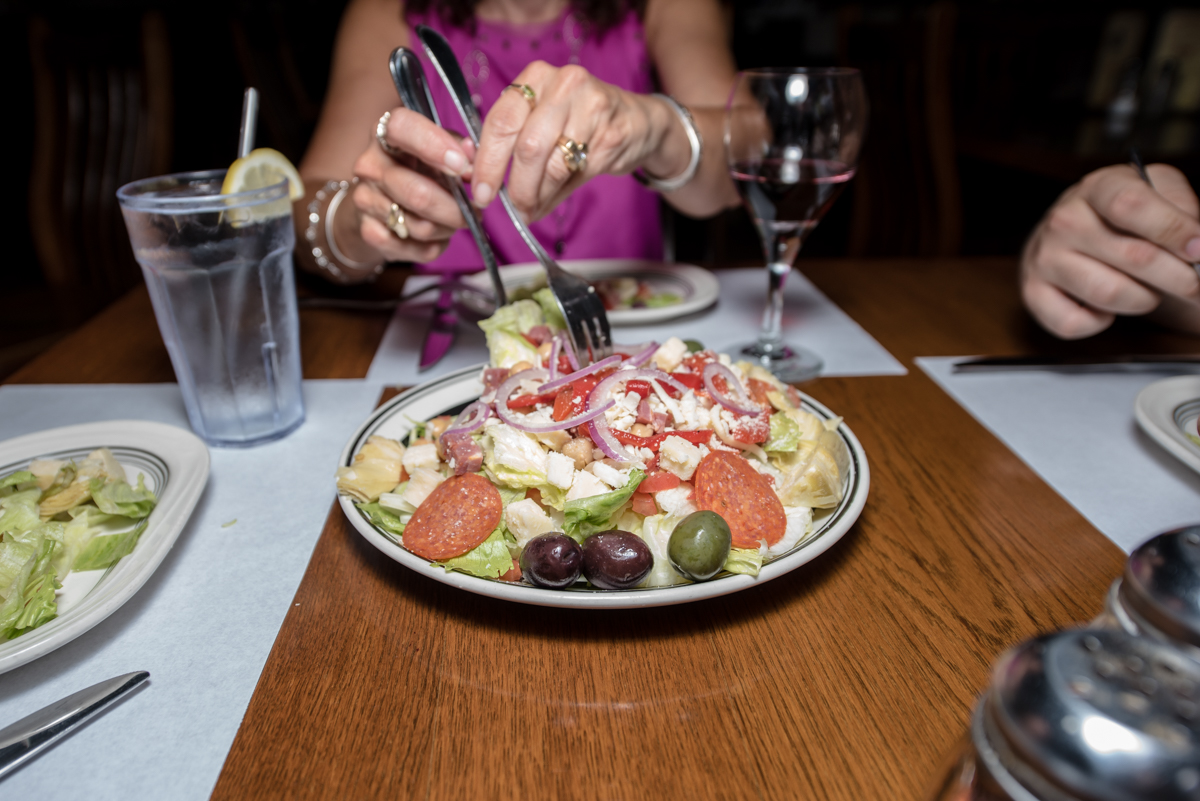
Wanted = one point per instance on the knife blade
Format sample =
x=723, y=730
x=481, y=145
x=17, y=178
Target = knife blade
x=409, y=78
x=1135, y=363
x=26, y=739
x=442, y=328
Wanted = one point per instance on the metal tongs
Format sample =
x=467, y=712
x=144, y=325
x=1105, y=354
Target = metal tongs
x=582, y=309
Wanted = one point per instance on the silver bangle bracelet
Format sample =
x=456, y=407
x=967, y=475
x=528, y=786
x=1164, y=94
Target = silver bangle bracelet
x=334, y=261
x=694, y=139
x=330, y=240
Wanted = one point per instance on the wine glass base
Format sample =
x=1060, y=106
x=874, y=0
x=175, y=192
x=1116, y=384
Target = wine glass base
x=788, y=363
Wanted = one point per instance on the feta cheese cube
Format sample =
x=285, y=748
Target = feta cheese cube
x=420, y=456
x=526, y=520
x=585, y=485
x=679, y=456
x=670, y=354
x=676, y=502
x=560, y=470
x=609, y=475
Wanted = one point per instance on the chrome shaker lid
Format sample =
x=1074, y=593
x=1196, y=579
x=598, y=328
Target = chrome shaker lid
x=1099, y=715
x=1161, y=585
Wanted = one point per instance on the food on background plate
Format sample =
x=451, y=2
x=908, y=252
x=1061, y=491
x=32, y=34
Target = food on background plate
x=617, y=294
x=58, y=516
x=661, y=465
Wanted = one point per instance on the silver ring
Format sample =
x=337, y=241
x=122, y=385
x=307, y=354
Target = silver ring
x=395, y=221
x=381, y=135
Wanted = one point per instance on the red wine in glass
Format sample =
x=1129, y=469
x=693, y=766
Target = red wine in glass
x=792, y=138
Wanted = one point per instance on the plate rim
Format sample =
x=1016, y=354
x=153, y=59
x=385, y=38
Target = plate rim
x=1154, y=410
x=844, y=517
x=188, y=462
x=705, y=287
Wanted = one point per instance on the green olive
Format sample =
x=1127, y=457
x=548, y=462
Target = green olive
x=693, y=345
x=700, y=545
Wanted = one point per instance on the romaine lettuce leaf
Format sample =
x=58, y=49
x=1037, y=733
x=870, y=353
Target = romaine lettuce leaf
x=118, y=498
x=504, y=329
x=785, y=434
x=587, y=516
x=490, y=559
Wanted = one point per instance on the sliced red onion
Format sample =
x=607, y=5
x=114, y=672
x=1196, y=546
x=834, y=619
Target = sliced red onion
x=642, y=356
x=571, y=358
x=470, y=419
x=604, y=388
x=743, y=405
x=605, y=441
x=516, y=420
x=571, y=378
x=554, y=349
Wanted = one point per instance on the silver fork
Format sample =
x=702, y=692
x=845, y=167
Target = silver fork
x=582, y=309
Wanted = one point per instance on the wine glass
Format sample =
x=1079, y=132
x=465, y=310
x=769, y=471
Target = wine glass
x=792, y=137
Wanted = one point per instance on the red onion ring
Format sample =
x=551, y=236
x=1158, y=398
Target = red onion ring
x=642, y=356
x=604, y=387
x=466, y=423
x=571, y=358
x=716, y=368
x=598, y=429
x=515, y=421
x=554, y=349
x=570, y=378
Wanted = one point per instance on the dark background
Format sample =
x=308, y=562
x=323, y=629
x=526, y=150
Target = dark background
x=982, y=113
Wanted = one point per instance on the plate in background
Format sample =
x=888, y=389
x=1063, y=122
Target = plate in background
x=1168, y=411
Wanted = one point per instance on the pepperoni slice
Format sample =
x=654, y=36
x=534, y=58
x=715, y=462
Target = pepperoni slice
x=459, y=514
x=727, y=485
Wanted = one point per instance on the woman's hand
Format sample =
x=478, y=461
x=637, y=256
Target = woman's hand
x=622, y=131
x=406, y=177
x=1113, y=245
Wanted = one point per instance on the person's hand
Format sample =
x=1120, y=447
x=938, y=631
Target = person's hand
x=622, y=131
x=1112, y=245
x=406, y=177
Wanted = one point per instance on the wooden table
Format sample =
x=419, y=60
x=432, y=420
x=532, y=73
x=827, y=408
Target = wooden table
x=849, y=678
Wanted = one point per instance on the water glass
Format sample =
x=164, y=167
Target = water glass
x=219, y=271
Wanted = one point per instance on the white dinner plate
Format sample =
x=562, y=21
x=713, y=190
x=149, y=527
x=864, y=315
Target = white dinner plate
x=451, y=393
x=1167, y=410
x=697, y=286
x=175, y=465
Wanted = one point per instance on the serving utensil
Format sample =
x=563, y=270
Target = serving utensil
x=581, y=307
x=1143, y=363
x=26, y=739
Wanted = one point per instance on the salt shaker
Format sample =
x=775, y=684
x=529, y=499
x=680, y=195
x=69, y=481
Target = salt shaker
x=1159, y=594
x=1083, y=715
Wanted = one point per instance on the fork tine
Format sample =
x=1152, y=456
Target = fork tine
x=603, y=333
x=591, y=345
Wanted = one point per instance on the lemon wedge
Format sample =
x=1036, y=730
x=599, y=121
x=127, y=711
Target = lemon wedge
x=259, y=169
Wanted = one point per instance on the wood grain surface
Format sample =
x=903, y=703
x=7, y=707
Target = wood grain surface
x=848, y=678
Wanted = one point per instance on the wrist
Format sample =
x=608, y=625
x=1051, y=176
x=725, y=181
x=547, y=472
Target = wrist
x=676, y=159
x=318, y=246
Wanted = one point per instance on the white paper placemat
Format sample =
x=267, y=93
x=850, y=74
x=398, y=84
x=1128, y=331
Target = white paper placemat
x=809, y=319
x=1077, y=431
x=204, y=623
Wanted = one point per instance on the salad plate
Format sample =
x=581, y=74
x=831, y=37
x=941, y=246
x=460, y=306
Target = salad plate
x=174, y=463
x=450, y=394
x=1168, y=411
x=694, y=287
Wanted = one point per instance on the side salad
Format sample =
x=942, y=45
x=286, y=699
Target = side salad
x=58, y=516
x=664, y=464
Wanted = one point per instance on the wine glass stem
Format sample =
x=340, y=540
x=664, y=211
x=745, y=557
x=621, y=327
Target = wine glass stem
x=770, y=339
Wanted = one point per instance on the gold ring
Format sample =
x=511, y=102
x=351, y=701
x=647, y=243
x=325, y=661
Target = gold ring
x=527, y=91
x=574, y=154
x=381, y=135
x=396, y=222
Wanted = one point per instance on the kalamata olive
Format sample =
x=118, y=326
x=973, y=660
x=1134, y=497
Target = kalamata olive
x=699, y=545
x=552, y=561
x=616, y=560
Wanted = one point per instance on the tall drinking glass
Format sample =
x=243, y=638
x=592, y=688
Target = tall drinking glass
x=219, y=271
x=792, y=138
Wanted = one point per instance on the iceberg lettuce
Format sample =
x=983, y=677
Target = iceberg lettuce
x=584, y=517
x=550, y=310
x=106, y=550
x=512, y=458
x=785, y=434
x=118, y=498
x=504, y=330
x=744, y=560
x=490, y=559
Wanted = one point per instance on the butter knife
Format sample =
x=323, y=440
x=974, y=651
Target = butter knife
x=409, y=77
x=1145, y=363
x=30, y=736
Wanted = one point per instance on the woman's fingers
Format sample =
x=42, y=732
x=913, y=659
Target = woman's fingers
x=1060, y=314
x=413, y=134
x=423, y=240
x=412, y=190
x=501, y=129
x=372, y=202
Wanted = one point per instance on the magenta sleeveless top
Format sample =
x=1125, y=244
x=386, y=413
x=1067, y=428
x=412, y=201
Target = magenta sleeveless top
x=611, y=216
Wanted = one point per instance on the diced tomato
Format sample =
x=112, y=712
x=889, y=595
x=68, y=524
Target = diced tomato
x=513, y=574
x=658, y=481
x=644, y=504
x=528, y=401
x=534, y=494
x=696, y=361
x=758, y=392
x=564, y=404
x=652, y=462
x=692, y=381
x=640, y=387
x=749, y=429
x=694, y=437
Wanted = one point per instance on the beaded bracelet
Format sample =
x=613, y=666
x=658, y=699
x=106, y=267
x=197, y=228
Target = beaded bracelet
x=694, y=139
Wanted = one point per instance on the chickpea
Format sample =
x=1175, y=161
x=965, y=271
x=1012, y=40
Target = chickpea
x=544, y=350
x=641, y=430
x=437, y=426
x=580, y=450
x=520, y=367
